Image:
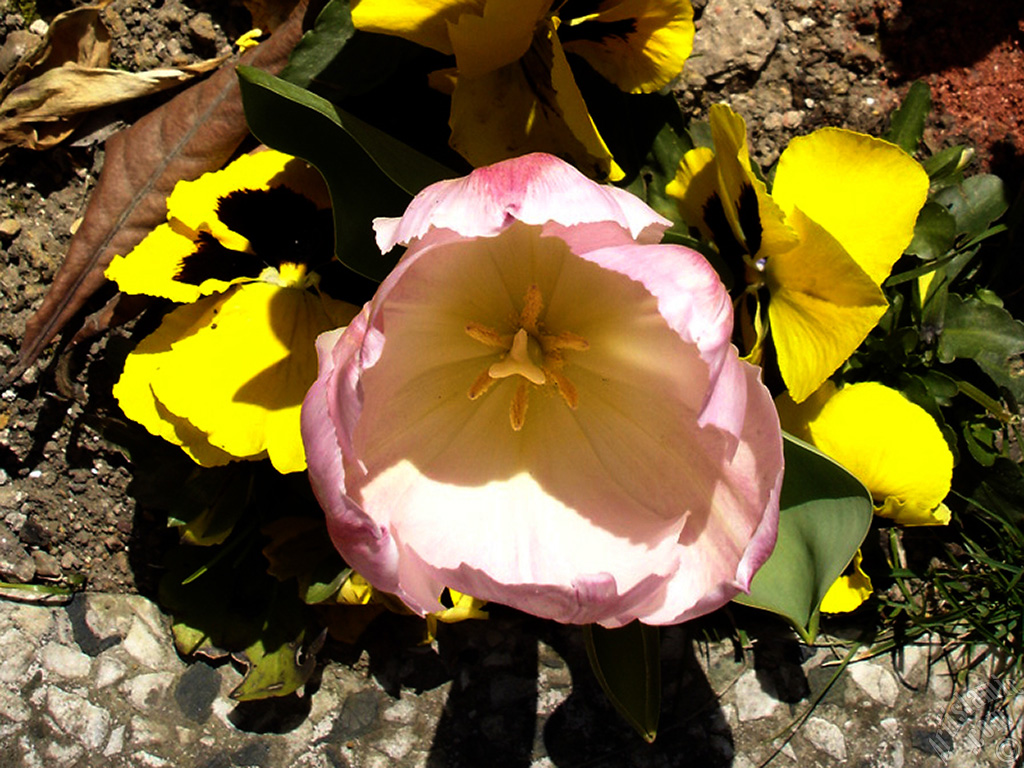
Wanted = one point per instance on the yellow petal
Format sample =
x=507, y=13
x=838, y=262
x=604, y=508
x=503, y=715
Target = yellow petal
x=822, y=307
x=355, y=590
x=532, y=105
x=849, y=590
x=134, y=392
x=424, y=22
x=892, y=445
x=242, y=376
x=695, y=183
x=864, y=191
x=194, y=203
x=464, y=607
x=639, y=45
x=151, y=266
x=501, y=36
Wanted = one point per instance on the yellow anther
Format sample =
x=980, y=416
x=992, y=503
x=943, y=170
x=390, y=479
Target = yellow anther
x=532, y=306
x=487, y=335
x=564, y=340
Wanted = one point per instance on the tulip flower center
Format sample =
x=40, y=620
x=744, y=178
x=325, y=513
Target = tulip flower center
x=533, y=354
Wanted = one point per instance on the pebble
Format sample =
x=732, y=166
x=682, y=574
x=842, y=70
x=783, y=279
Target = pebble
x=877, y=682
x=15, y=562
x=825, y=736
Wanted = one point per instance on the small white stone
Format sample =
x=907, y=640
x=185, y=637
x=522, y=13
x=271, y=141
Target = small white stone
x=77, y=717
x=398, y=744
x=150, y=761
x=147, y=732
x=147, y=691
x=108, y=671
x=39, y=27
x=62, y=754
x=890, y=725
x=13, y=707
x=402, y=711
x=35, y=474
x=753, y=702
x=142, y=646
x=115, y=743
x=825, y=736
x=876, y=681
x=62, y=661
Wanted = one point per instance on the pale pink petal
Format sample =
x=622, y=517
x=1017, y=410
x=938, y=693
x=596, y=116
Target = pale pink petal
x=533, y=189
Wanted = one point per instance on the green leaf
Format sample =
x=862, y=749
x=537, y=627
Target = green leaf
x=320, y=45
x=975, y=203
x=825, y=514
x=934, y=232
x=976, y=330
x=943, y=166
x=627, y=663
x=907, y=126
x=659, y=170
x=369, y=173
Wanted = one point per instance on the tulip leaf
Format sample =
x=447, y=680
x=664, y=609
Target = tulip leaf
x=934, y=232
x=825, y=514
x=627, y=663
x=907, y=126
x=369, y=173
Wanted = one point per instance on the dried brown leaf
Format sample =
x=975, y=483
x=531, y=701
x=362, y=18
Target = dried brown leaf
x=79, y=35
x=268, y=15
x=45, y=110
x=195, y=132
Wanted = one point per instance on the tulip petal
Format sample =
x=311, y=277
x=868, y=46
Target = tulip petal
x=890, y=444
x=534, y=189
x=822, y=307
x=864, y=191
x=639, y=45
x=241, y=377
x=424, y=22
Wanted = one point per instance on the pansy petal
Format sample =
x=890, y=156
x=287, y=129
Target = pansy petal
x=694, y=185
x=424, y=22
x=241, y=379
x=529, y=105
x=499, y=37
x=864, y=191
x=150, y=268
x=534, y=189
x=849, y=590
x=194, y=203
x=892, y=445
x=134, y=393
x=639, y=45
x=822, y=307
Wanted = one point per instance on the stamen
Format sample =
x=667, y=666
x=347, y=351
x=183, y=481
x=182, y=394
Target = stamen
x=483, y=382
x=518, y=362
x=520, y=402
x=566, y=389
x=487, y=335
x=564, y=340
x=533, y=303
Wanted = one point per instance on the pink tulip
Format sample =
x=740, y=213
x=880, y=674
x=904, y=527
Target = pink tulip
x=541, y=407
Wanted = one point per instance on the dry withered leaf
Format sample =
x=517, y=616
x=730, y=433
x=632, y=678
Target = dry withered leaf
x=45, y=110
x=268, y=15
x=79, y=35
x=195, y=132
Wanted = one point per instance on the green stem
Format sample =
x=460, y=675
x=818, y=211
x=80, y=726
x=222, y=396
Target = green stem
x=990, y=404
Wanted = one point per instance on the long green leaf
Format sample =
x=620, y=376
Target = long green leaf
x=369, y=173
x=627, y=663
x=907, y=125
x=825, y=515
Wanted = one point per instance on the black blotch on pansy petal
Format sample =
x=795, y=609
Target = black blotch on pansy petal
x=281, y=225
x=596, y=31
x=212, y=261
x=750, y=219
x=729, y=247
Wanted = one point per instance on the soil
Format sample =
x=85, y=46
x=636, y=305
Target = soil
x=67, y=503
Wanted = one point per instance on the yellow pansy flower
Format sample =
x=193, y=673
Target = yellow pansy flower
x=223, y=377
x=890, y=444
x=512, y=89
x=816, y=249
